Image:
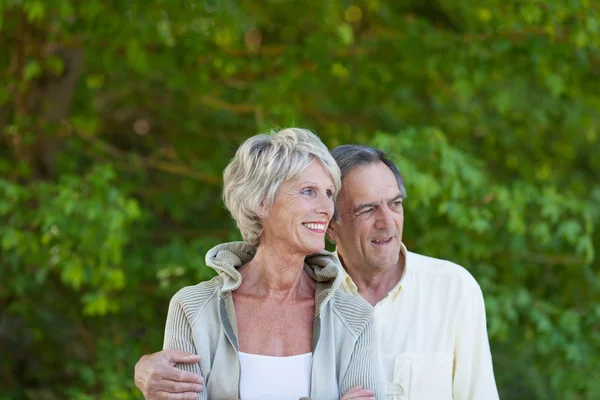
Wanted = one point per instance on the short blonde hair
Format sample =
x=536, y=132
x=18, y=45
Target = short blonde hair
x=261, y=164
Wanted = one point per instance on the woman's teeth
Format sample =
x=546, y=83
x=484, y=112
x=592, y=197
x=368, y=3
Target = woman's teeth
x=317, y=227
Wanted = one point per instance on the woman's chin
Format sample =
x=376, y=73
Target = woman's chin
x=309, y=248
x=315, y=248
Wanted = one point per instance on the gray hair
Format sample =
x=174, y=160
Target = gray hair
x=261, y=164
x=350, y=156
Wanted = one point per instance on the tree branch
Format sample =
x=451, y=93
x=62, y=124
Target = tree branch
x=223, y=105
x=161, y=165
x=550, y=259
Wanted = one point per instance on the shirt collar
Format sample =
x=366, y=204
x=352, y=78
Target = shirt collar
x=349, y=286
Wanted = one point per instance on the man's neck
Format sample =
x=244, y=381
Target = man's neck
x=374, y=284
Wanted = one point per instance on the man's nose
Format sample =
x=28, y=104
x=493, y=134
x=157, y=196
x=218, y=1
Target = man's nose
x=384, y=218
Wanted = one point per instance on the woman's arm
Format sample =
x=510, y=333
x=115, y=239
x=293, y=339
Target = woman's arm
x=363, y=369
x=178, y=335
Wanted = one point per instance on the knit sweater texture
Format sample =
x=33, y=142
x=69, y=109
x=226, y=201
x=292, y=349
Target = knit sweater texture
x=201, y=320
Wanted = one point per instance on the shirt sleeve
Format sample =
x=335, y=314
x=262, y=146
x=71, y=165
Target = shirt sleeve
x=473, y=375
x=364, y=365
x=178, y=335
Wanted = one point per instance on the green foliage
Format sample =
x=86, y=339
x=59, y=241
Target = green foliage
x=117, y=120
x=76, y=228
x=530, y=248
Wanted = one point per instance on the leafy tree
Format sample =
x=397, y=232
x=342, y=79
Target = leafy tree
x=117, y=119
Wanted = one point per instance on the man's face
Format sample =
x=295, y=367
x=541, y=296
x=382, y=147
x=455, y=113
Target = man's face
x=368, y=233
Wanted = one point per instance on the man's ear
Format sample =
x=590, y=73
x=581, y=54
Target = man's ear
x=331, y=231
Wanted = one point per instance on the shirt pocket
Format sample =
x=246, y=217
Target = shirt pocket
x=421, y=377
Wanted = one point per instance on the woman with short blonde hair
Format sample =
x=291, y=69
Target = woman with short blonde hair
x=272, y=325
x=261, y=164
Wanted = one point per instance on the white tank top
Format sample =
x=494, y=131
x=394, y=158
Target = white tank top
x=275, y=378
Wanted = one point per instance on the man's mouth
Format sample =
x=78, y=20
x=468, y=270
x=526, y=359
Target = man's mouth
x=382, y=241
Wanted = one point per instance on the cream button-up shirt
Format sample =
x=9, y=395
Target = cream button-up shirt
x=432, y=333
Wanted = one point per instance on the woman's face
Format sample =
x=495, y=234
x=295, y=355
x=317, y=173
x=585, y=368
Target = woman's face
x=301, y=212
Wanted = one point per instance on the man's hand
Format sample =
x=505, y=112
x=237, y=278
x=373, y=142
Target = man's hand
x=358, y=393
x=158, y=379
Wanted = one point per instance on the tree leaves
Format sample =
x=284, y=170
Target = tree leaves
x=532, y=241
x=491, y=110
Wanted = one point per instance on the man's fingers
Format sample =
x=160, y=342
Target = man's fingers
x=355, y=389
x=352, y=392
x=358, y=393
x=174, y=374
x=177, y=396
x=178, y=387
x=189, y=377
x=177, y=356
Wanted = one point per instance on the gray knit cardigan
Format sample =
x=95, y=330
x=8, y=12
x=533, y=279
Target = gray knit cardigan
x=201, y=320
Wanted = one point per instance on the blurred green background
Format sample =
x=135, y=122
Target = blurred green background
x=118, y=117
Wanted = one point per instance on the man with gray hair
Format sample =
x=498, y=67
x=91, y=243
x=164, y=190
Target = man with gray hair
x=429, y=313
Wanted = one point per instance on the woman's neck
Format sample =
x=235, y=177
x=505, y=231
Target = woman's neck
x=278, y=273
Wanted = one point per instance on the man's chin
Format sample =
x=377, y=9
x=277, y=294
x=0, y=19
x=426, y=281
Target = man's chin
x=384, y=261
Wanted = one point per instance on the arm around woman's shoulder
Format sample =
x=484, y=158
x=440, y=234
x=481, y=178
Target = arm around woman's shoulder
x=363, y=369
x=183, y=309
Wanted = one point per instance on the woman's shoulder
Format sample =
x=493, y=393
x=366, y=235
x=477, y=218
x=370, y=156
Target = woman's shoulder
x=355, y=311
x=196, y=296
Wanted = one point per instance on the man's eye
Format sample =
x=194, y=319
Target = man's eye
x=397, y=204
x=367, y=211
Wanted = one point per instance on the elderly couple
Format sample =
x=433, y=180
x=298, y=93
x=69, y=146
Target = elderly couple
x=285, y=319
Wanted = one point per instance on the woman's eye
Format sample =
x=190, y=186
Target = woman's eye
x=308, y=192
x=329, y=194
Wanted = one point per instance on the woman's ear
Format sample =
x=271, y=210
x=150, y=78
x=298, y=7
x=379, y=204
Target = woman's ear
x=261, y=210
